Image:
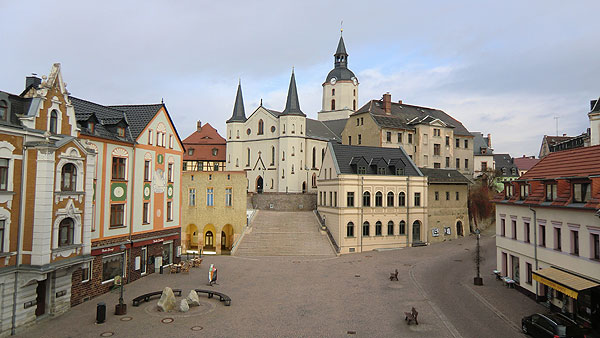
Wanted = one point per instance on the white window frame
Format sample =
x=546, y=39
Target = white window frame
x=89, y=275
x=124, y=256
x=144, y=267
x=150, y=136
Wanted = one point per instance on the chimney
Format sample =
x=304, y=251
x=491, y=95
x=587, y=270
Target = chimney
x=399, y=101
x=592, y=104
x=489, y=140
x=32, y=81
x=564, y=134
x=199, y=125
x=387, y=103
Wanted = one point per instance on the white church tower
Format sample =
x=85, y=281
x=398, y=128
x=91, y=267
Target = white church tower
x=235, y=126
x=340, y=89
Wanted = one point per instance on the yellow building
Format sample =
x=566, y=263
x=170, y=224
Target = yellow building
x=214, y=210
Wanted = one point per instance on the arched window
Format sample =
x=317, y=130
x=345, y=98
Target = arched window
x=272, y=155
x=390, y=199
x=350, y=229
x=378, y=199
x=314, y=158
x=378, y=228
x=366, y=199
x=292, y=169
x=322, y=154
x=366, y=227
x=390, y=228
x=333, y=92
x=248, y=157
x=283, y=129
x=65, y=232
x=314, y=180
x=3, y=110
x=401, y=199
x=283, y=155
x=261, y=127
x=402, y=228
x=293, y=128
x=68, y=180
x=353, y=104
x=293, y=151
x=53, y=121
x=332, y=104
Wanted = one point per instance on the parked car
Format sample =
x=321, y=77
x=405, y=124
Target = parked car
x=551, y=325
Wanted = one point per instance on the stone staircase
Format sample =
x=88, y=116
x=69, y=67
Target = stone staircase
x=284, y=233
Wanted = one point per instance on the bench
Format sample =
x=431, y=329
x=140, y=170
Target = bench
x=411, y=316
x=509, y=282
x=498, y=274
x=394, y=275
x=222, y=297
x=146, y=297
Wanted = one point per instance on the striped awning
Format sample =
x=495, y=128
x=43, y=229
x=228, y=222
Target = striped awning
x=562, y=281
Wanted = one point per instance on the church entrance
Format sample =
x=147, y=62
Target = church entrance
x=259, y=185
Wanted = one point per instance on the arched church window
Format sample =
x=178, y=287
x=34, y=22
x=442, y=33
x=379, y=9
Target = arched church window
x=353, y=104
x=332, y=104
x=314, y=180
x=322, y=154
x=293, y=151
x=333, y=92
x=293, y=128
x=248, y=157
x=261, y=127
x=313, y=157
x=272, y=155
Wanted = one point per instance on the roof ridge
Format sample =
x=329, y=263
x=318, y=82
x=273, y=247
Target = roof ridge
x=98, y=104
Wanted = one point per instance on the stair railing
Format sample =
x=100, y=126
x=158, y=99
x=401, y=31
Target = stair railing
x=326, y=229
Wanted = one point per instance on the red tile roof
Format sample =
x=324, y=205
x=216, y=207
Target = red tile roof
x=569, y=163
x=201, y=144
x=525, y=163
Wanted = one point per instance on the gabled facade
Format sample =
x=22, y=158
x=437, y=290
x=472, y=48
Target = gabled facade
x=371, y=198
x=548, y=232
x=432, y=138
x=204, y=150
x=483, y=154
x=46, y=195
x=137, y=189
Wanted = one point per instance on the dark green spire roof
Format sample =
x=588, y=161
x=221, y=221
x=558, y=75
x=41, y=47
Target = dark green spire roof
x=292, y=105
x=341, y=49
x=340, y=63
x=239, y=114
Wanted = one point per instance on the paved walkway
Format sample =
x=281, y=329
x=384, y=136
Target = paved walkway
x=284, y=233
x=349, y=295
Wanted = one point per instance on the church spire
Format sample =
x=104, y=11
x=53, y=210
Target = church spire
x=340, y=56
x=239, y=114
x=292, y=105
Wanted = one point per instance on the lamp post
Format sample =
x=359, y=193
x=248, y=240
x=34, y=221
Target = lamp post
x=478, y=280
x=121, y=308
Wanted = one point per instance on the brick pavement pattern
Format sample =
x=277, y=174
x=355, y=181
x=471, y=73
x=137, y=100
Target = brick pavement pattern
x=284, y=233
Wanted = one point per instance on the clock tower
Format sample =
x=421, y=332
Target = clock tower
x=340, y=89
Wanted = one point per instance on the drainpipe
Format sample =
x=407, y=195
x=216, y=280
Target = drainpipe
x=535, y=259
x=406, y=201
x=19, y=239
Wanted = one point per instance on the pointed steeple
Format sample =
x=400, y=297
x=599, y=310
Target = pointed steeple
x=239, y=114
x=340, y=56
x=292, y=105
x=341, y=48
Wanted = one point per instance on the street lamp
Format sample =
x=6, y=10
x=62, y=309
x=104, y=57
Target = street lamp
x=121, y=308
x=478, y=280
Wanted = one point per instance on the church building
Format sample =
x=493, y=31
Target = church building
x=283, y=151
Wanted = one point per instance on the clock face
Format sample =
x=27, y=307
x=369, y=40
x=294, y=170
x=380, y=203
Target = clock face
x=333, y=80
x=355, y=81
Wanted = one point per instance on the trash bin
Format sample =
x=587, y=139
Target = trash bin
x=101, y=313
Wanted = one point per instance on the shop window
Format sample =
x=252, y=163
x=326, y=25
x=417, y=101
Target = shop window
x=111, y=267
x=144, y=260
x=167, y=253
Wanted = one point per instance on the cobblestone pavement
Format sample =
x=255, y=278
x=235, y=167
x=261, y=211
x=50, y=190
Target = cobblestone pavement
x=350, y=295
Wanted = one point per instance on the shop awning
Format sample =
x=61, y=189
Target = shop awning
x=565, y=282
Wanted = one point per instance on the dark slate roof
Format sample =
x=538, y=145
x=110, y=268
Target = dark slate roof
x=273, y=112
x=596, y=105
x=481, y=144
x=239, y=113
x=403, y=116
x=138, y=116
x=345, y=154
x=341, y=48
x=292, y=104
x=107, y=116
x=505, y=161
x=319, y=130
x=444, y=176
x=340, y=74
x=16, y=106
x=336, y=126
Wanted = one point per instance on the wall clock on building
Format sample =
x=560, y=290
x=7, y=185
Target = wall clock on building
x=333, y=80
x=355, y=81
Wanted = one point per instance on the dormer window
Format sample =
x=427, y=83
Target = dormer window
x=91, y=127
x=362, y=170
x=509, y=191
x=551, y=192
x=3, y=110
x=582, y=192
x=524, y=191
x=215, y=151
x=399, y=171
x=381, y=171
x=191, y=151
x=121, y=131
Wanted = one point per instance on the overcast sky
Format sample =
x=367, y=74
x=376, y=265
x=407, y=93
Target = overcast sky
x=504, y=67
